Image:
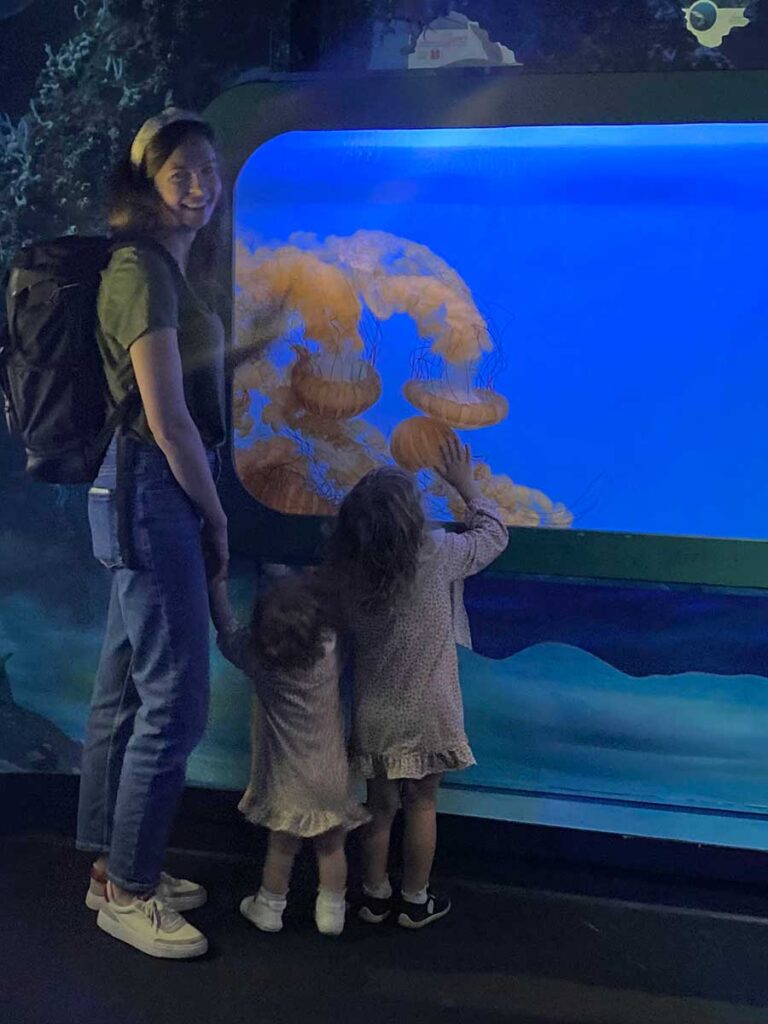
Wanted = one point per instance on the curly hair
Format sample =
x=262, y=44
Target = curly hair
x=375, y=545
x=289, y=623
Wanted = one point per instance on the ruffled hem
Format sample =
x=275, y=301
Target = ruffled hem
x=413, y=765
x=307, y=824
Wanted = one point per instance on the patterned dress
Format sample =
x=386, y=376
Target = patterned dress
x=408, y=718
x=300, y=781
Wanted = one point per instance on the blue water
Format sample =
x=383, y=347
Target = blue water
x=622, y=270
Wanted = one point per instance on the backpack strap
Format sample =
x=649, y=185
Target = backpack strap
x=113, y=421
x=149, y=244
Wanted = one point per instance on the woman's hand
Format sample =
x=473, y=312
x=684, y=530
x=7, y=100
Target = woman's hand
x=216, y=552
x=457, y=468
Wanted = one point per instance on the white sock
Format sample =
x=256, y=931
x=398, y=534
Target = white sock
x=272, y=899
x=330, y=898
x=330, y=911
x=382, y=892
x=416, y=897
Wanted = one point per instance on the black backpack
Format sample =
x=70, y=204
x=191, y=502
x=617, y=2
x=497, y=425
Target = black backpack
x=51, y=373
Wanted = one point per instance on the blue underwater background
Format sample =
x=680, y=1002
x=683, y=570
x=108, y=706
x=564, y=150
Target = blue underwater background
x=621, y=271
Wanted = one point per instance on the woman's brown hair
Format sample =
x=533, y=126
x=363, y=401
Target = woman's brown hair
x=134, y=205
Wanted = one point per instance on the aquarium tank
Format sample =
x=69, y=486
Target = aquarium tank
x=582, y=304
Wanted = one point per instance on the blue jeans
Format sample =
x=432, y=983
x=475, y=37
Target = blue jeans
x=150, y=701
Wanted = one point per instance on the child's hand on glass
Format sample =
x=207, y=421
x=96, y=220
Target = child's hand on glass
x=457, y=469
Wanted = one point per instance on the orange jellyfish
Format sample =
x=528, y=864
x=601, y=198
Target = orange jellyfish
x=520, y=505
x=285, y=489
x=450, y=321
x=288, y=280
x=277, y=475
x=265, y=454
x=468, y=409
x=334, y=387
x=269, y=451
x=417, y=441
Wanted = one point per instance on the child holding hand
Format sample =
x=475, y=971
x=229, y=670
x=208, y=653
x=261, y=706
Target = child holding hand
x=300, y=787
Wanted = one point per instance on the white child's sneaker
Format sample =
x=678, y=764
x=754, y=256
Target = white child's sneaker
x=150, y=926
x=176, y=893
x=265, y=910
x=330, y=911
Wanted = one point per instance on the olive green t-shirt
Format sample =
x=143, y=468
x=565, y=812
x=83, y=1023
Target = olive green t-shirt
x=139, y=293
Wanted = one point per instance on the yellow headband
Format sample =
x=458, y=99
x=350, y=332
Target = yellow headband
x=150, y=129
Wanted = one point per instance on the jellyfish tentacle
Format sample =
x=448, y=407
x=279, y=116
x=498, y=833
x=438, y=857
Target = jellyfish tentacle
x=339, y=389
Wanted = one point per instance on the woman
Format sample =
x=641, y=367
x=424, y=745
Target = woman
x=158, y=525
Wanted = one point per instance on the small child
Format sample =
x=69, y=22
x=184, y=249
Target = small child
x=300, y=785
x=403, y=608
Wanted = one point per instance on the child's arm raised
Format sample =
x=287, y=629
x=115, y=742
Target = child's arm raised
x=486, y=536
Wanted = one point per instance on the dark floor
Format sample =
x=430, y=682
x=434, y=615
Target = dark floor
x=505, y=954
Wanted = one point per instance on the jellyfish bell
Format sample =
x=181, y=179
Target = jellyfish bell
x=336, y=387
x=417, y=443
x=284, y=488
x=467, y=409
x=276, y=474
x=256, y=461
x=270, y=451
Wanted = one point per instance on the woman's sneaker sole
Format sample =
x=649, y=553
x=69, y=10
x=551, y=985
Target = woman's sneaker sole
x=164, y=950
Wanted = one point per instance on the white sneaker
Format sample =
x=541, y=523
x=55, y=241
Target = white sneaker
x=176, y=893
x=266, y=914
x=330, y=913
x=151, y=927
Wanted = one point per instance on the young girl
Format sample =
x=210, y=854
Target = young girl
x=402, y=605
x=300, y=785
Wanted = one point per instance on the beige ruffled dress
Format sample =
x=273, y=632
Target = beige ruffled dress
x=408, y=718
x=300, y=780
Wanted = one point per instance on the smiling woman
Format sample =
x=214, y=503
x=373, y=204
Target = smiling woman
x=157, y=524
